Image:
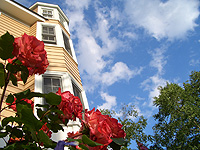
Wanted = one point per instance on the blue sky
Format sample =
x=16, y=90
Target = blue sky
x=126, y=49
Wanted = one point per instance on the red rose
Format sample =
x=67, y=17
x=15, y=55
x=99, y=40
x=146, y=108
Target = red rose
x=117, y=131
x=70, y=105
x=13, y=106
x=102, y=128
x=30, y=51
x=99, y=127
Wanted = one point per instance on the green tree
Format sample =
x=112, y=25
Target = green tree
x=178, y=125
x=134, y=129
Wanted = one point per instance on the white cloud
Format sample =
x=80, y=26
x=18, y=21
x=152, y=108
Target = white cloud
x=152, y=83
x=138, y=98
x=119, y=71
x=78, y=4
x=95, y=44
x=194, y=62
x=110, y=101
x=158, y=59
x=171, y=19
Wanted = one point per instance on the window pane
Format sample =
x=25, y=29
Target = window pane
x=44, y=30
x=47, y=81
x=45, y=37
x=44, y=11
x=51, y=38
x=47, y=89
x=56, y=82
x=55, y=89
x=76, y=91
x=51, y=31
x=66, y=43
x=49, y=12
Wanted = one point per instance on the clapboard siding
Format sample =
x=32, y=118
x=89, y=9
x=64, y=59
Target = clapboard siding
x=30, y=83
x=33, y=29
x=12, y=26
x=60, y=60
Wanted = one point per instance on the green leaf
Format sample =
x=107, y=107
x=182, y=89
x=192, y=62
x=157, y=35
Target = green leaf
x=35, y=94
x=48, y=143
x=40, y=112
x=119, y=141
x=71, y=140
x=8, y=128
x=83, y=147
x=53, y=117
x=56, y=110
x=44, y=106
x=53, y=99
x=18, y=133
x=6, y=120
x=115, y=146
x=2, y=75
x=24, y=74
x=89, y=142
x=55, y=127
x=28, y=118
x=6, y=46
x=22, y=95
x=13, y=79
x=10, y=99
x=13, y=68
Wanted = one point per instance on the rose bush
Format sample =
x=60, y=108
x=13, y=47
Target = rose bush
x=26, y=56
x=101, y=129
x=13, y=105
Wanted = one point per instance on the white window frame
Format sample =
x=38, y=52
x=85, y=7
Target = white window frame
x=66, y=81
x=70, y=49
x=61, y=19
x=47, y=15
x=51, y=77
x=48, y=34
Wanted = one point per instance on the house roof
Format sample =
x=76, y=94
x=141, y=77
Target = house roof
x=20, y=12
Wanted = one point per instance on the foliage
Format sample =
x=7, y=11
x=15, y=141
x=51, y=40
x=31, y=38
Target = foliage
x=25, y=56
x=178, y=118
x=134, y=130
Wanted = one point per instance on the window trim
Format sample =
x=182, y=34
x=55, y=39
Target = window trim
x=46, y=14
x=70, y=49
x=62, y=19
x=53, y=76
x=47, y=34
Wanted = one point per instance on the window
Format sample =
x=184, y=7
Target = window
x=66, y=43
x=62, y=20
x=76, y=91
x=47, y=13
x=48, y=34
x=51, y=84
